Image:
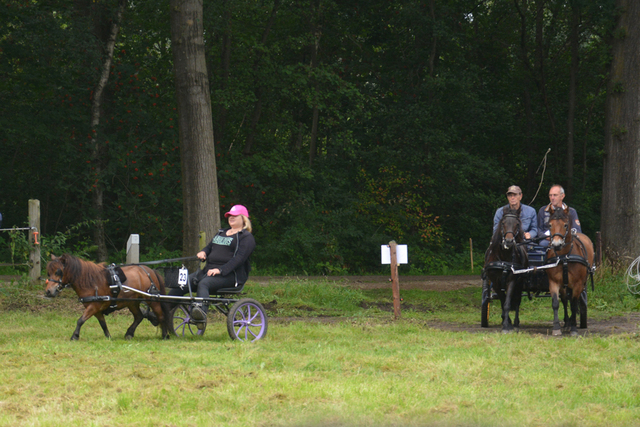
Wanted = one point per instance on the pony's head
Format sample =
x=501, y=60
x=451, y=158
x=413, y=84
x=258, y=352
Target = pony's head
x=510, y=227
x=55, y=276
x=558, y=227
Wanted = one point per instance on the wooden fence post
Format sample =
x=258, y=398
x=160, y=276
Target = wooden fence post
x=35, y=268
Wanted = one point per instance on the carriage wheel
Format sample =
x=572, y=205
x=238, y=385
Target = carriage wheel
x=183, y=325
x=582, y=303
x=247, y=320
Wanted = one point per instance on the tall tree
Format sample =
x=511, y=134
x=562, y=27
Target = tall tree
x=97, y=144
x=201, y=210
x=620, y=222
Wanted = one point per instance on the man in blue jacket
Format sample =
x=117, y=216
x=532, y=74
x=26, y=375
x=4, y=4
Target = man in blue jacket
x=556, y=197
x=527, y=213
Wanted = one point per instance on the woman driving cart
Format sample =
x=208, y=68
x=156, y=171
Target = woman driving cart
x=227, y=261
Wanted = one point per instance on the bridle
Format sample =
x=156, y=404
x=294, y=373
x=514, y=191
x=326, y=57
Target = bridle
x=504, y=233
x=60, y=287
x=562, y=236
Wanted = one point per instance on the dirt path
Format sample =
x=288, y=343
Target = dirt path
x=629, y=324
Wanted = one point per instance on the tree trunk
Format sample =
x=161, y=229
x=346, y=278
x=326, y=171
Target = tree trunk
x=201, y=210
x=316, y=34
x=574, y=42
x=620, y=220
x=97, y=155
x=226, y=71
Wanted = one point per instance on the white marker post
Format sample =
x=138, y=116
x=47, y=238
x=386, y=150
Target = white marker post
x=394, y=254
x=133, y=249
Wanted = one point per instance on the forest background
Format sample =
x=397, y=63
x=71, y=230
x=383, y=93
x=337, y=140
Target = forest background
x=341, y=125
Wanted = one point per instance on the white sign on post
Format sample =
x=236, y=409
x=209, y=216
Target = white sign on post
x=402, y=256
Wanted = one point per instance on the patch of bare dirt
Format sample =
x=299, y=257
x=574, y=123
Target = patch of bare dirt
x=629, y=324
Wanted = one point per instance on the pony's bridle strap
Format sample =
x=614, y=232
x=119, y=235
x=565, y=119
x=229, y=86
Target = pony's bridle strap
x=60, y=286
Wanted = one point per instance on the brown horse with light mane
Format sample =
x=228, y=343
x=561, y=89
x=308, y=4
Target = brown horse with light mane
x=91, y=282
x=574, y=254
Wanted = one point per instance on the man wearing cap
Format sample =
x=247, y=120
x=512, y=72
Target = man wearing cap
x=556, y=197
x=527, y=213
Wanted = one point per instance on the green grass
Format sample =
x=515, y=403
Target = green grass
x=360, y=368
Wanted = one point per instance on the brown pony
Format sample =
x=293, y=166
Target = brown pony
x=574, y=254
x=505, y=253
x=90, y=282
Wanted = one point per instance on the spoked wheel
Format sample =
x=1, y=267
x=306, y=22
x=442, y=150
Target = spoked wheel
x=183, y=324
x=247, y=320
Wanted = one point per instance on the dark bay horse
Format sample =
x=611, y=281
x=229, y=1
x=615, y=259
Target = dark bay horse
x=575, y=255
x=90, y=281
x=504, y=253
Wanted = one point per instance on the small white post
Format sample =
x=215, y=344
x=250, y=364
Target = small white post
x=133, y=249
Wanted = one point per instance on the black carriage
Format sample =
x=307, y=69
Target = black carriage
x=535, y=283
x=246, y=318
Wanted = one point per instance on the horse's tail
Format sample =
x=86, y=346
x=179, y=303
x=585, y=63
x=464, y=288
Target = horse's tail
x=166, y=307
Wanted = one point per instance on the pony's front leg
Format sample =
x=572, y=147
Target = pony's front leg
x=506, y=307
x=555, y=304
x=90, y=310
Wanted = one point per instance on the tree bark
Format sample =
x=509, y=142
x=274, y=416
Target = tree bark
x=97, y=191
x=620, y=220
x=316, y=34
x=201, y=209
x=573, y=78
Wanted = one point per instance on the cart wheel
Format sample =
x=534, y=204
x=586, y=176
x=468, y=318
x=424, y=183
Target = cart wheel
x=247, y=320
x=182, y=323
x=582, y=303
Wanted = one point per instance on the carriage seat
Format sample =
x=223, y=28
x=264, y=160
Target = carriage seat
x=234, y=290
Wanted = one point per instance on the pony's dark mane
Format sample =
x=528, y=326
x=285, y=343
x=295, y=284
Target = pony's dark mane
x=81, y=273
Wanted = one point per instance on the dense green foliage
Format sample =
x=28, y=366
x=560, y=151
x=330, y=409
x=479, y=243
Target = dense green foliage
x=426, y=112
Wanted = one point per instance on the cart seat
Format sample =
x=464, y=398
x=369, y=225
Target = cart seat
x=234, y=290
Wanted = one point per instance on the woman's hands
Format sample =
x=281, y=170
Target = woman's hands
x=213, y=272
x=201, y=255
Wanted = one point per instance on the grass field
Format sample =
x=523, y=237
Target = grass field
x=361, y=368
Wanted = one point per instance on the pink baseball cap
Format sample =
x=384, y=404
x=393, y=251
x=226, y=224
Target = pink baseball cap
x=237, y=210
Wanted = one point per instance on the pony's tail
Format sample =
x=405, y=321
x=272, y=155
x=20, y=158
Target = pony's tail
x=166, y=307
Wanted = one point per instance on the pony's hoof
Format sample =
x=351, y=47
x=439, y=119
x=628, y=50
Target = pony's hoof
x=507, y=331
x=557, y=332
x=128, y=337
x=574, y=334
